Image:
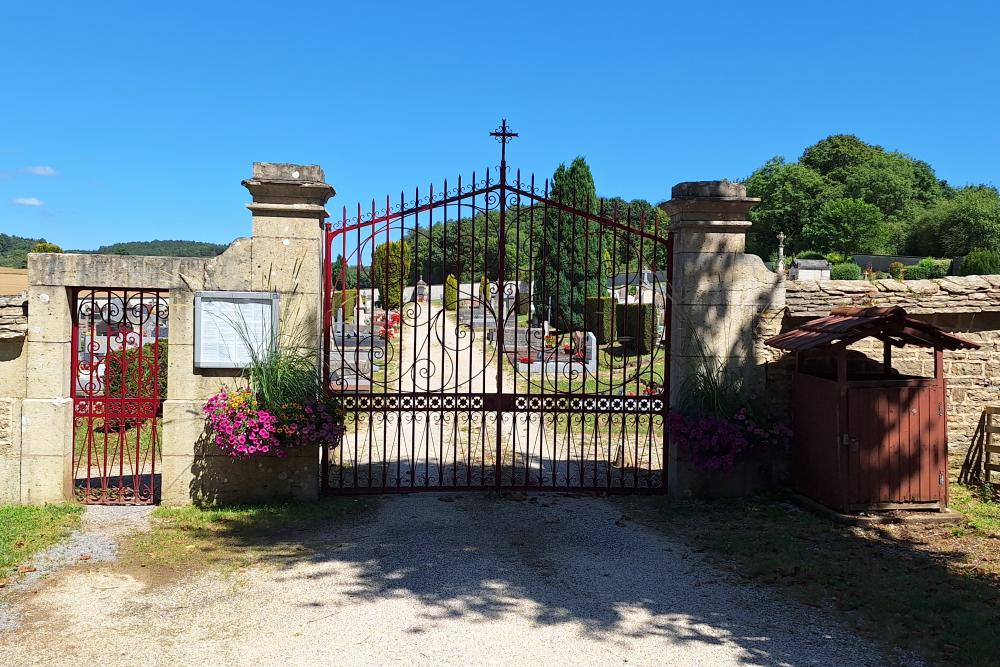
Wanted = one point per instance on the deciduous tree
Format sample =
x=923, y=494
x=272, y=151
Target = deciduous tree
x=846, y=226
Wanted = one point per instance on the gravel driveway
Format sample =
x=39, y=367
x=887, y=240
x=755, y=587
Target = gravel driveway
x=472, y=580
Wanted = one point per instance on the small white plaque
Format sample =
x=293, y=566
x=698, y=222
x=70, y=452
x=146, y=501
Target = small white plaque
x=227, y=325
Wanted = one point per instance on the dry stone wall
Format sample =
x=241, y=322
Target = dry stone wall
x=968, y=306
x=13, y=326
x=13, y=316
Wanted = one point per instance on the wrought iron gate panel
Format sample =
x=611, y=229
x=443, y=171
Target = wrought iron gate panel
x=477, y=396
x=118, y=388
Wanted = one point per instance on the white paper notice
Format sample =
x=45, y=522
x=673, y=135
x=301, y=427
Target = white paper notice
x=228, y=324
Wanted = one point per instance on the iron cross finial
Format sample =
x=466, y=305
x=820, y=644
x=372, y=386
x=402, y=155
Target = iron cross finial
x=503, y=133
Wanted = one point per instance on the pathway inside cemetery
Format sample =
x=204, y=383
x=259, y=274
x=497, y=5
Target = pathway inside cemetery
x=477, y=580
x=438, y=357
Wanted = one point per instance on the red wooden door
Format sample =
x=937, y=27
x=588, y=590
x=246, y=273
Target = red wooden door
x=895, y=444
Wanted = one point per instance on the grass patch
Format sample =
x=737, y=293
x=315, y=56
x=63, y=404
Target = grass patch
x=28, y=529
x=911, y=588
x=115, y=443
x=982, y=511
x=186, y=539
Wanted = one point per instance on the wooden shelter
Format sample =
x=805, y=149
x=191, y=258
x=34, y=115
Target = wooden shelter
x=867, y=437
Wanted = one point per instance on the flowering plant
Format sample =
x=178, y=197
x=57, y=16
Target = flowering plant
x=716, y=422
x=712, y=442
x=311, y=422
x=240, y=427
x=284, y=405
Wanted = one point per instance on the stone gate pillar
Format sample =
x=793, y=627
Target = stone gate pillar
x=719, y=296
x=284, y=255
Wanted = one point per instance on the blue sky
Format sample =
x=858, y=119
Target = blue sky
x=134, y=121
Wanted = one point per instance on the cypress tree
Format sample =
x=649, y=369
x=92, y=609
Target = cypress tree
x=485, y=293
x=570, y=264
x=390, y=267
x=450, y=292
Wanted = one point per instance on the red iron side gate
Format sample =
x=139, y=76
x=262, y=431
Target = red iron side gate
x=118, y=385
x=462, y=331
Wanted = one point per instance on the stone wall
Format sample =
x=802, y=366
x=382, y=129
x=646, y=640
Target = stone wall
x=283, y=255
x=13, y=316
x=968, y=306
x=13, y=327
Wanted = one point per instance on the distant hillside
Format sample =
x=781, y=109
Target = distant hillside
x=171, y=248
x=14, y=249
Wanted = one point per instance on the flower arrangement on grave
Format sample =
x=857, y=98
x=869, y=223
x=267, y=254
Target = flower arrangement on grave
x=716, y=424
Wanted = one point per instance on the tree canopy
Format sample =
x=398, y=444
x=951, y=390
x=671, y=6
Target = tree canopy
x=846, y=226
x=847, y=196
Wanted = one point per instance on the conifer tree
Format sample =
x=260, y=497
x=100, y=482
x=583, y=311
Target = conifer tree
x=570, y=265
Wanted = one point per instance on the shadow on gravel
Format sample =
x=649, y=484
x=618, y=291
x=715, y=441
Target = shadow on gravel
x=549, y=558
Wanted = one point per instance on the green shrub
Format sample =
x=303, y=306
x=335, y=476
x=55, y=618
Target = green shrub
x=451, y=292
x=347, y=300
x=934, y=268
x=485, y=291
x=981, y=263
x=523, y=302
x=810, y=254
x=619, y=319
x=390, y=267
x=837, y=258
x=599, y=317
x=138, y=383
x=896, y=270
x=845, y=271
x=640, y=326
x=916, y=272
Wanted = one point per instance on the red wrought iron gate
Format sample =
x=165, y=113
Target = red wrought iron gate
x=118, y=384
x=462, y=331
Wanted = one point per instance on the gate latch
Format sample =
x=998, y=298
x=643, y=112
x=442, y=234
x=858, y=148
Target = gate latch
x=940, y=479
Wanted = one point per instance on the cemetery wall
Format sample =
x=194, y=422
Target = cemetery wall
x=968, y=306
x=13, y=327
x=282, y=255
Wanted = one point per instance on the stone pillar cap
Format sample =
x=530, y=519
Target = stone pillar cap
x=718, y=204
x=286, y=171
x=288, y=190
x=709, y=190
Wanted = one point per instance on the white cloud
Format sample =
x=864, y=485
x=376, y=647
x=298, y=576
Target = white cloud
x=40, y=170
x=28, y=201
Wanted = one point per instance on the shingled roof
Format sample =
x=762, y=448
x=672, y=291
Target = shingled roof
x=849, y=324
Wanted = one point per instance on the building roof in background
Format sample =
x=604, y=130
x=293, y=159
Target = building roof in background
x=849, y=324
x=13, y=281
